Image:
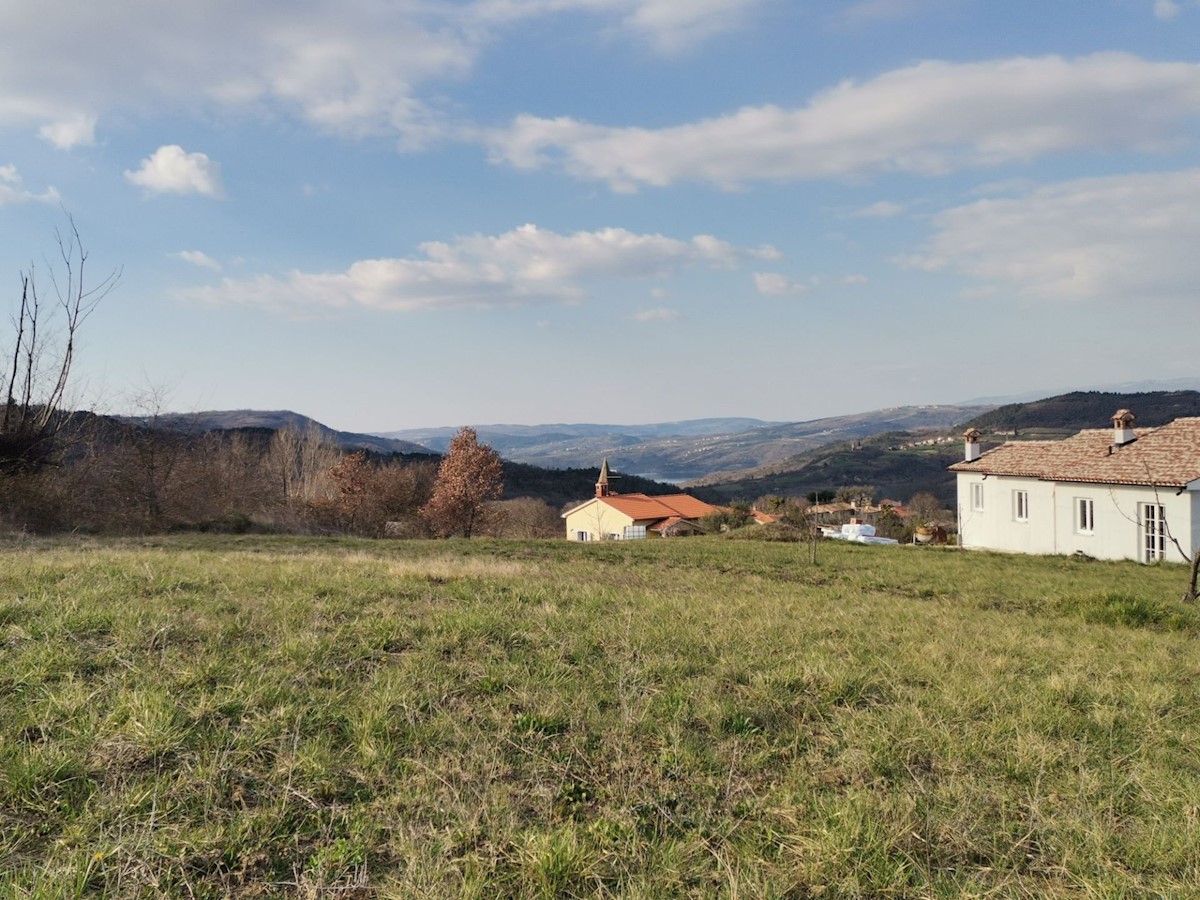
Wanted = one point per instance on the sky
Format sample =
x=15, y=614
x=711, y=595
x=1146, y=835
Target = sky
x=401, y=213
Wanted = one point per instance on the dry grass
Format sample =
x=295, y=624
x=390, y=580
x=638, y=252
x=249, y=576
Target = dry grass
x=272, y=716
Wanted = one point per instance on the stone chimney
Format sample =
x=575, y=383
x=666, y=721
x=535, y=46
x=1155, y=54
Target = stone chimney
x=971, y=450
x=1123, y=428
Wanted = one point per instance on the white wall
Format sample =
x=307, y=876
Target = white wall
x=1053, y=524
x=599, y=520
x=996, y=526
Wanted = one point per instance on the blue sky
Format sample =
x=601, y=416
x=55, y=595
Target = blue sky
x=384, y=213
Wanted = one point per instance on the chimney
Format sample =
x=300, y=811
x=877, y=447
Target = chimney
x=1123, y=428
x=602, y=482
x=971, y=445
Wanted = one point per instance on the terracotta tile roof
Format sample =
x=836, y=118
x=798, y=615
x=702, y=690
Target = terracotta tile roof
x=1168, y=456
x=639, y=506
x=822, y=508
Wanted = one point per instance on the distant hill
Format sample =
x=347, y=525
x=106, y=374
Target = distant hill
x=228, y=420
x=897, y=464
x=1068, y=413
x=677, y=451
x=558, y=487
x=901, y=463
x=500, y=436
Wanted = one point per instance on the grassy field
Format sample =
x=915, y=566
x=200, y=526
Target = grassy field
x=206, y=717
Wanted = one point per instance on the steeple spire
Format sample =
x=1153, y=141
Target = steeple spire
x=602, y=482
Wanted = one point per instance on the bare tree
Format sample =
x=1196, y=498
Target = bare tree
x=470, y=475
x=301, y=462
x=924, y=506
x=524, y=517
x=44, y=332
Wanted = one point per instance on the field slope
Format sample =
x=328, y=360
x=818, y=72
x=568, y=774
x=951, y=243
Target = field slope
x=202, y=716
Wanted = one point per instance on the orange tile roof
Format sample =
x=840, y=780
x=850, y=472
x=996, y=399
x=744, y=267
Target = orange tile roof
x=640, y=506
x=1168, y=456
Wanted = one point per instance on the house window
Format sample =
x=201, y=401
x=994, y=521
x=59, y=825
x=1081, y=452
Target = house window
x=635, y=532
x=1085, y=515
x=977, y=497
x=1154, y=532
x=1021, y=506
x=582, y=536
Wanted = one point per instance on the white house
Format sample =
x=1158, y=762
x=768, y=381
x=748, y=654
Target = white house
x=1123, y=493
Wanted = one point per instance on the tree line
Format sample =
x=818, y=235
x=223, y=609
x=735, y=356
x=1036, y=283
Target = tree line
x=63, y=470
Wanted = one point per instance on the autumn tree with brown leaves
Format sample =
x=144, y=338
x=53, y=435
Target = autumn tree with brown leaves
x=470, y=475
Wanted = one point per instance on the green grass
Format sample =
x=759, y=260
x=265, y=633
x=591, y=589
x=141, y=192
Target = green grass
x=212, y=716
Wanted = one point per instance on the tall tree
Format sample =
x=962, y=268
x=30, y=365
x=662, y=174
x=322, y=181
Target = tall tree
x=36, y=367
x=470, y=475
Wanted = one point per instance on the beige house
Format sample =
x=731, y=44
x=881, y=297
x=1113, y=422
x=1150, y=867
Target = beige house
x=623, y=517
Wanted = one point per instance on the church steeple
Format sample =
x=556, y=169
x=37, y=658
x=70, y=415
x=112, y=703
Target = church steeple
x=602, y=483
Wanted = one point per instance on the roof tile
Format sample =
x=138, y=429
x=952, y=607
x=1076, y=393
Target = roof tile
x=1168, y=456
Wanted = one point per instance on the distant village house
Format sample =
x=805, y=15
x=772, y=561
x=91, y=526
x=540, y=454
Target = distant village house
x=621, y=517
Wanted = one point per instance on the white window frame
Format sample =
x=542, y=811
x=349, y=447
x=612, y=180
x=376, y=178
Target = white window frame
x=1154, y=532
x=1020, y=506
x=977, y=496
x=1085, y=515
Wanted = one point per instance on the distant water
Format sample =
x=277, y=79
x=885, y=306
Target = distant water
x=670, y=479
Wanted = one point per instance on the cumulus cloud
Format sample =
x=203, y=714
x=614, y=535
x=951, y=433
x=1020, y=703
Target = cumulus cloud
x=776, y=285
x=523, y=265
x=198, y=258
x=930, y=118
x=12, y=189
x=1123, y=238
x=350, y=67
x=659, y=314
x=172, y=170
x=74, y=131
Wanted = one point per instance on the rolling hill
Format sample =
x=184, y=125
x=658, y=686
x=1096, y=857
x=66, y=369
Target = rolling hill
x=677, y=451
x=900, y=463
x=1068, y=413
x=229, y=420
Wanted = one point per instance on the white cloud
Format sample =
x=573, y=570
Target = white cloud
x=77, y=130
x=12, y=189
x=198, y=258
x=171, y=170
x=881, y=210
x=855, y=279
x=660, y=314
x=522, y=265
x=1166, y=9
x=776, y=285
x=930, y=118
x=352, y=67
x=674, y=25
x=1128, y=238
